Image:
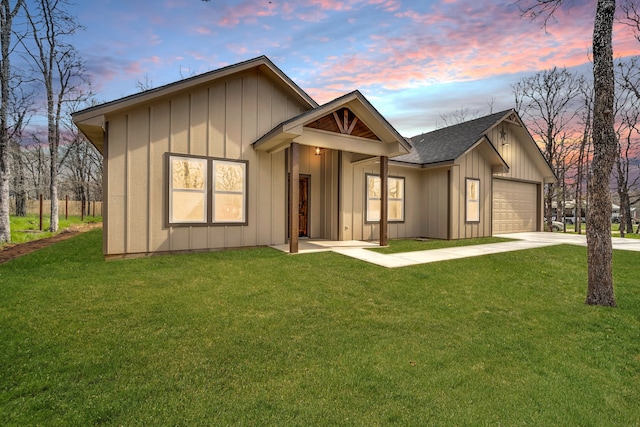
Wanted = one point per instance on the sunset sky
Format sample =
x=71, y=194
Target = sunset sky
x=414, y=60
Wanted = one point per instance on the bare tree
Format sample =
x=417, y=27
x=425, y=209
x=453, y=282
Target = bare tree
x=600, y=252
x=62, y=75
x=464, y=114
x=627, y=133
x=461, y=115
x=36, y=164
x=547, y=101
x=583, y=156
x=19, y=112
x=144, y=85
x=7, y=13
x=631, y=11
x=82, y=171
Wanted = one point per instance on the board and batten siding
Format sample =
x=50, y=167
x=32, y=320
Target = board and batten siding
x=354, y=225
x=434, y=217
x=515, y=154
x=220, y=119
x=471, y=165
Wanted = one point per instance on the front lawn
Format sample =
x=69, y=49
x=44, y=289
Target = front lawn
x=258, y=337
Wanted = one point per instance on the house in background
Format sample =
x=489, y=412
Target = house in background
x=242, y=156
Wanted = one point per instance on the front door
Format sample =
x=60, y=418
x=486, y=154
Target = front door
x=303, y=207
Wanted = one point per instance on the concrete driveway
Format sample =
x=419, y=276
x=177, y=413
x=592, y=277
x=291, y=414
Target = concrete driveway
x=521, y=241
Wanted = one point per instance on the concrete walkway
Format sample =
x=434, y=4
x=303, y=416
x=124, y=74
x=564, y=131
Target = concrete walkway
x=522, y=241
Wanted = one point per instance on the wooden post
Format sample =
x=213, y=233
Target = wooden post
x=41, y=212
x=94, y=209
x=81, y=211
x=294, y=194
x=384, y=200
x=66, y=207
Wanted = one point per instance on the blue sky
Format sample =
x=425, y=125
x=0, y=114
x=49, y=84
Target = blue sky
x=414, y=60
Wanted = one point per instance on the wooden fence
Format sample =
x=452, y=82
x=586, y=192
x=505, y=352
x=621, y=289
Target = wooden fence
x=70, y=208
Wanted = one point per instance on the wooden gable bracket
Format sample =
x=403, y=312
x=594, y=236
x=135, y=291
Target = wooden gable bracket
x=344, y=126
x=512, y=119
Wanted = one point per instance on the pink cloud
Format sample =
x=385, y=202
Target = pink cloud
x=246, y=12
x=465, y=41
x=203, y=30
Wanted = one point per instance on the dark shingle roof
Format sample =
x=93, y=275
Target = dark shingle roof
x=447, y=144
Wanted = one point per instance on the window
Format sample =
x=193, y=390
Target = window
x=206, y=191
x=473, y=200
x=229, y=191
x=187, y=190
x=395, y=191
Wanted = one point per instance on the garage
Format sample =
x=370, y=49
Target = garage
x=515, y=207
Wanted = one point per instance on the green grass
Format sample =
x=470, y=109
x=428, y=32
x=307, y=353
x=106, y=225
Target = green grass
x=615, y=231
x=258, y=337
x=27, y=228
x=412, y=245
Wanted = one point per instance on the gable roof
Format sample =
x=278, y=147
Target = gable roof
x=447, y=144
x=444, y=146
x=383, y=140
x=91, y=120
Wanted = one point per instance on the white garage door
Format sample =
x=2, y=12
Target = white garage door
x=514, y=206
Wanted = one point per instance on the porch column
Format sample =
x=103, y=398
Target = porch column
x=294, y=195
x=384, y=200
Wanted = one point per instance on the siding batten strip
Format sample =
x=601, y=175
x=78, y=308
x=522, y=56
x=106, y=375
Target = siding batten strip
x=127, y=185
x=105, y=187
x=170, y=141
x=384, y=200
x=148, y=147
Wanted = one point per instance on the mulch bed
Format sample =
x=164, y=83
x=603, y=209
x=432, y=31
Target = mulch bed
x=13, y=251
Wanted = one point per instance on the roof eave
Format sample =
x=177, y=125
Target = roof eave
x=488, y=150
x=262, y=62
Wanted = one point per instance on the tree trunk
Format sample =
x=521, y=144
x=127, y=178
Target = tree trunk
x=6, y=21
x=53, y=173
x=600, y=277
x=19, y=182
x=548, y=207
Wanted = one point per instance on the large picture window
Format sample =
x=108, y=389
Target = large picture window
x=206, y=191
x=473, y=200
x=395, y=191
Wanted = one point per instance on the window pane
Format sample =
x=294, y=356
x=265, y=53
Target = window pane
x=395, y=210
x=473, y=212
x=395, y=188
x=188, y=174
x=229, y=207
x=229, y=176
x=373, y=210
x=373, y=186
x=187, y=206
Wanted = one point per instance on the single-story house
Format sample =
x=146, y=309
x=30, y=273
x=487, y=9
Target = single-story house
x=241, y=156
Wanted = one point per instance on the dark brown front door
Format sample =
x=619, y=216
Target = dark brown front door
x=303, y=207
